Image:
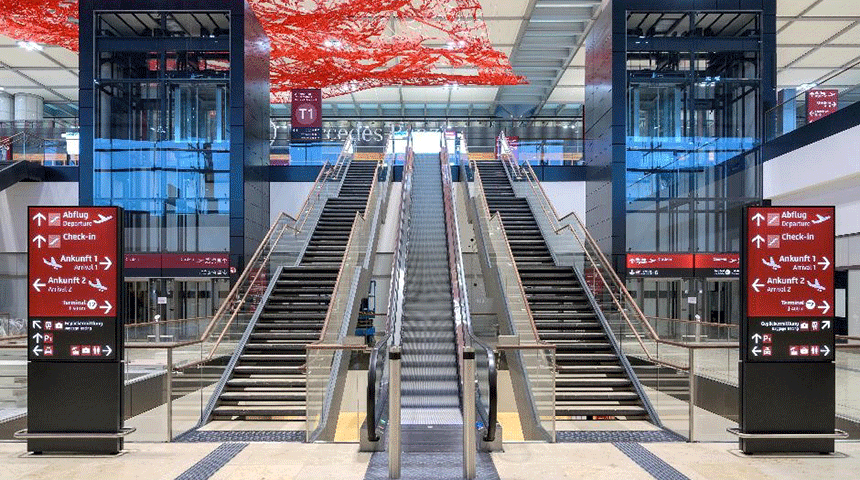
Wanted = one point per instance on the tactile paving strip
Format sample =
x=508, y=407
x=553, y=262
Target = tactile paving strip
x=615, y=436
x=201, y=436
x=436, y=466
x=649, y=462
x=213, y=462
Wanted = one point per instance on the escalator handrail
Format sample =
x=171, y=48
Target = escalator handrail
x=396, y=292
x=459, y=293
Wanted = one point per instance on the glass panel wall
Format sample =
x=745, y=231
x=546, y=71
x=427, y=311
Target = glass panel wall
x=162, y=137
x=693, y=109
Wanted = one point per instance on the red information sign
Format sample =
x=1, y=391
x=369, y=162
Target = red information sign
x=821, y=103
x=306, y=110
x=790, y=261
x=718, y=264
x=659, y=264
x=73, y=261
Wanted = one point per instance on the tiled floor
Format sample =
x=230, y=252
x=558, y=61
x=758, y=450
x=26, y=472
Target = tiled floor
x=520, y=461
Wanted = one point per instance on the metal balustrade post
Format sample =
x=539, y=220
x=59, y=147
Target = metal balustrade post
x=170, y=394
x=394, y=413
x=691, y=378
x=469, y=445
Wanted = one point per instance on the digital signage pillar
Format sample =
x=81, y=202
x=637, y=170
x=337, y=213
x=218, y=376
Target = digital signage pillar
x=75, y=330
x=787, y=347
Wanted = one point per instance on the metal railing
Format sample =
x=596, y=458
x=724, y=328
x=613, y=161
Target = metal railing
x=328, y=357
x=486, y=400
x=379, y=374
x=531, y=362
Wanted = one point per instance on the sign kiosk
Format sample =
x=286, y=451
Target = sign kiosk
x=787, y=347
x=74, y=328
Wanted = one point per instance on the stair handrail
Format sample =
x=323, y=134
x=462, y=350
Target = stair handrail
x=588, y=244
x=296, y=226
x=396, y=295
x=353, y=267
x=460, y=297
x=482, y=201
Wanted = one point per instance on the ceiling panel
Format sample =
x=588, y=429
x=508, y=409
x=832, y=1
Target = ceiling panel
x=828, y=57
x=806, y=32
x=573, y=76
x=794, y=77
x=792, y=7
x=834, y=8
x=473, y=94
x=567, y=95
x=423, y=95
x=786, y=55
x=504, y=8
x=503, y=31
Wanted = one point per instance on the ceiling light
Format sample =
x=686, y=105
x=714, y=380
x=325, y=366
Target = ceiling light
x=30, y=46
x=807, y=86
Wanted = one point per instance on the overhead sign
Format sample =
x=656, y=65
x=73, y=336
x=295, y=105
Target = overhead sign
x=74, y=274
x=177, y=264
x=659, y=265
x=718, y=265
x=306, y=115
x=790, y=254
x=821, y=103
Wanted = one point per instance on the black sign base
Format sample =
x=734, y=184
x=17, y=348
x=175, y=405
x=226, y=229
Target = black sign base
x=789, y=398
x=67, y=398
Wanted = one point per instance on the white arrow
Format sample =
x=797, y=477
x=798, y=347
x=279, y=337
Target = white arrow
x=107, y=306
x=39, y=218
x=824, y=308
x=38, y=286
x=37, y=350
x=824, y=264
x=37, y=324
x=107, y=350
x=40, y=240
x=757, y=286
x=756, y=338
x=106, y=263
x=758, y=240
x=37, y=337
x=758, y=219
x=756, y=351
x=825, y=324
x=826, y=350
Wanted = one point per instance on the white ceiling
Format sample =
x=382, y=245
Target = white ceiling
x=815, y=38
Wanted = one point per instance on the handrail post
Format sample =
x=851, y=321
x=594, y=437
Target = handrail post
x=170, y=394
x=469, y=445
x=691, y=380
x=394, y=413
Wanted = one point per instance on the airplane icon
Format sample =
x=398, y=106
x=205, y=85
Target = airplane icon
x=816, y=285
x=53, y=263
x=102, y=219
x=820, y=219
x=772, y=263
x=98, y=285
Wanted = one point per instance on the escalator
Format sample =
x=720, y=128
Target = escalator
x=268, y=377
x=591, y=381
x=429, y=377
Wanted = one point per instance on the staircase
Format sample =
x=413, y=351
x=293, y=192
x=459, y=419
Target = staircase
x=268, y=380
x=590, y=380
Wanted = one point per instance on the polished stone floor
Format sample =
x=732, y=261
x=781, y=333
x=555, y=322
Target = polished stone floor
x=520, y=461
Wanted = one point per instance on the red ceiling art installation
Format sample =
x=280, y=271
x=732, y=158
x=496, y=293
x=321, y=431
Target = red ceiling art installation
x=340, y=46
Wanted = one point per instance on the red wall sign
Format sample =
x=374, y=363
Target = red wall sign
x=718, y=264
x=180, y=264
x=73, y=262
x=659, y=264
x=790, y=261
x=306, y=118
x=821, y=103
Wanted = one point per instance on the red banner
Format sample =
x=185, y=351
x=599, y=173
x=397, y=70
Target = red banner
x=717, y=264
x=821, y=103
x=790, y=261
